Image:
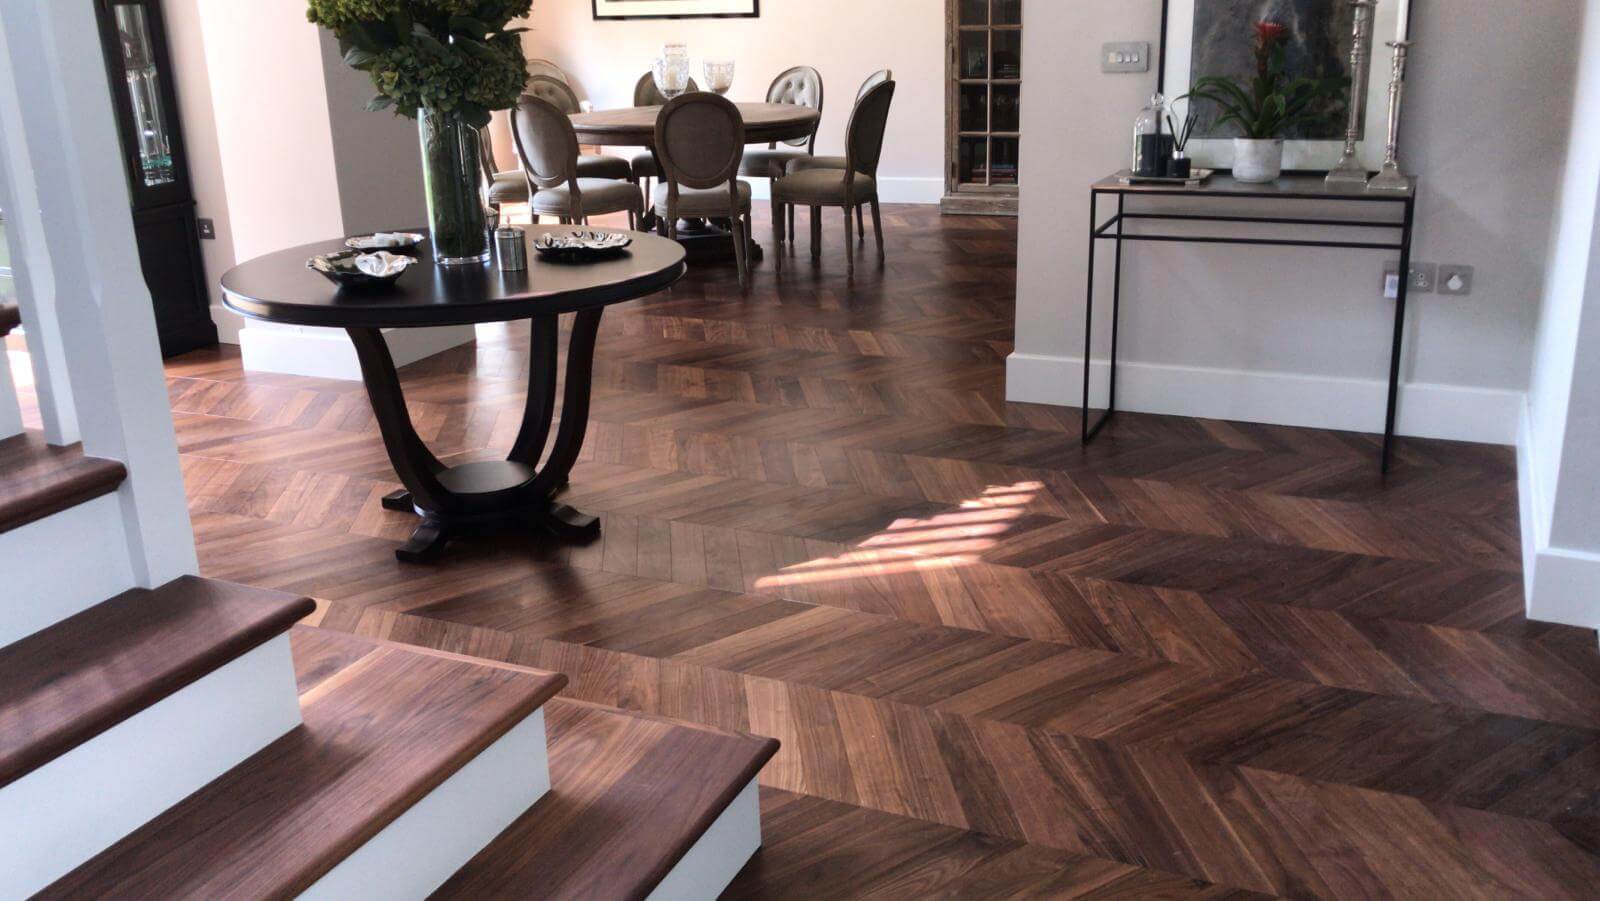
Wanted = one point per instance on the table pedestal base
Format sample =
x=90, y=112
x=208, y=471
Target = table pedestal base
x=497, y=495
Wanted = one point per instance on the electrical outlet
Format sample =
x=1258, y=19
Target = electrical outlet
x=1455, y=280
x=208, y=229
x=1129, y=56
x=1424, y=277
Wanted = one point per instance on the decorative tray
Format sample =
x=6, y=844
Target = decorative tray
x=580, y=246
x=398, y=242
x=354, y=269
x=1196, y=178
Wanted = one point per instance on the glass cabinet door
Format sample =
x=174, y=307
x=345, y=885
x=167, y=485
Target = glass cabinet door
x=143, y=84
x=139, y=69
x=985, y=95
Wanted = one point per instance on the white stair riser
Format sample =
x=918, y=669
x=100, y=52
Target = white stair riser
x=417, y=852
x=75, y=806
x=61, y=565
x=718, y=854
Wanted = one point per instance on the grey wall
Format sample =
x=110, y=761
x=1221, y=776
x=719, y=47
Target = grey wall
x=1485, y=126
x=376, y=155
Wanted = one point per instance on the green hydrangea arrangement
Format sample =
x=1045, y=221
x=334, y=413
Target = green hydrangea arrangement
x=451, y=57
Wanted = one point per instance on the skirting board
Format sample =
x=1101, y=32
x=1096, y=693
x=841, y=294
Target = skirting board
x=1426, y=411
x=328, y=354
x=891, y=189
x=1560, y=585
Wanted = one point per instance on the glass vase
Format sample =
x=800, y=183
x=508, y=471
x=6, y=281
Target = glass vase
x=452, y=177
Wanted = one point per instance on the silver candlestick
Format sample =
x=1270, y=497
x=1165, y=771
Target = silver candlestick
x=1349, y=171
x=1390, y=178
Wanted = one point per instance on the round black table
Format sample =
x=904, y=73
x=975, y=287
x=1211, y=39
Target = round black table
x=518, y=491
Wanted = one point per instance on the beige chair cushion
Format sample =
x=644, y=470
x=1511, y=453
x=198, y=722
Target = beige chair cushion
x=600, y=165
x=600, y=195
x=768, y=163
x=702, y=202
x=816, y=162
x=508, y=187
x=644, y=166
x=821, y=187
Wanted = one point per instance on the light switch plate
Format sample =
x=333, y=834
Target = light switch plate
x=1127, y=56
x=208, y=229
x=1455, y=280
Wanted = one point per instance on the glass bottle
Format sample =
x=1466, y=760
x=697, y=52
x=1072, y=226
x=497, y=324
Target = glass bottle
x=1152, y=143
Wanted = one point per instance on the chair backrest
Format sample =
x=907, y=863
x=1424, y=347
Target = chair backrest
x=645, y=92
x=863, y=142
x=486, y=154
x=801, y=86
x=553, y=90
x=699, y=140
x=873, y=80
x=545, y=141
x=546, y=67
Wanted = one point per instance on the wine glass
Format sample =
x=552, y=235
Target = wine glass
x=719, y=74
x=671, y=74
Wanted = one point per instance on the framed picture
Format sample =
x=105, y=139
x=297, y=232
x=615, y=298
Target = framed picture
x=676, y=9
x=1217, y=37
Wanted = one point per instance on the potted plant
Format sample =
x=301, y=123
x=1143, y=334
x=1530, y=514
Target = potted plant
x=448, y=64
x=1266, y=107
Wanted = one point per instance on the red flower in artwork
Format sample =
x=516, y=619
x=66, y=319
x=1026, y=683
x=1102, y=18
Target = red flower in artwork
x=1269, y=33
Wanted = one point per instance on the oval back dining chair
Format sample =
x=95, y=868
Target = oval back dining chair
x=590, y=165
x=873, y=80
x=801, y=86
x=700, y=142
x=837, y=162
x=538, y=67
x=548, y=146
x=851, y=187
x=645, y=93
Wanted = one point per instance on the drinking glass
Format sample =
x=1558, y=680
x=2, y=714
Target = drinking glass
x=719, y=75
x=671, y=75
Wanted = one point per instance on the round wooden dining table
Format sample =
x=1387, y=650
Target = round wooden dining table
x=474, y=496
x=635, y=126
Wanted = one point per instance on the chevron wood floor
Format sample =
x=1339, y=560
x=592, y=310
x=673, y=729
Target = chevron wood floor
x=1199, y=658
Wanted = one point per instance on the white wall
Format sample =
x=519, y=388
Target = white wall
x=1303, y=336
x=846, y=40
x=1560, y=454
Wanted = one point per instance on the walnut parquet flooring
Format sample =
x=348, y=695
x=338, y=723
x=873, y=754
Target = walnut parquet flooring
x=1199, y=658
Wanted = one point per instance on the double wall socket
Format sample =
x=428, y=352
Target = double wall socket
x=1424, y=276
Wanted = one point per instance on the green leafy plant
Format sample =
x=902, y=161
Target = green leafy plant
x=1271, y=103
x=451, y=57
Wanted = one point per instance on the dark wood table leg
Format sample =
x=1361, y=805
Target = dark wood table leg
x=482, y=496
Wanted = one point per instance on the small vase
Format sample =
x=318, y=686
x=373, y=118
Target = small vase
x=1257, y=162
x=452, y=177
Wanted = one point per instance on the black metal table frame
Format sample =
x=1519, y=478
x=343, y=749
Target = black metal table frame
x=1113, y=230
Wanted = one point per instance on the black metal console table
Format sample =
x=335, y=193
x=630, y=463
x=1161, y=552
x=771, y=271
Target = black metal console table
x=1288, y=188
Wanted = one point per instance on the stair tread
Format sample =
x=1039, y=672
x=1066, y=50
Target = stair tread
x=384, y=725
x=37, y=480
x=630, y=794
x=73, y=680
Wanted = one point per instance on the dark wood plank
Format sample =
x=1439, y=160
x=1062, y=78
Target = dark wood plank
x=383, y=727
x=37, y=480
x=73, y=680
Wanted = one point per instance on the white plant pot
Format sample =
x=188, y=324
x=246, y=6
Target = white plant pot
x=1255, y=161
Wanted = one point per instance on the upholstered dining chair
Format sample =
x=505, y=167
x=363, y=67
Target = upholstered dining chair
x=813, y=161
x=700, y=141
x=510, y=186
x=645, y=93
x=851, y=187
x=548, y=146
x=546, y=67
x=802, y=86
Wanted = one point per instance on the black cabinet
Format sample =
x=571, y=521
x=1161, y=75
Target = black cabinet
x=133, y=36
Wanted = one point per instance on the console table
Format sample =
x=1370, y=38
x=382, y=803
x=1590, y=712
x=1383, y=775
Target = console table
x=1287, y=189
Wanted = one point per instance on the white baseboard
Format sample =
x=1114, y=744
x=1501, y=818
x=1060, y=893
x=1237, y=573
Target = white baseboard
x=891, y=189
x=1560, y=585
x=328, y=354
x=416, y=853
x=45, y=586
x=718, y=854
x=72, y=808
x=1426, y=410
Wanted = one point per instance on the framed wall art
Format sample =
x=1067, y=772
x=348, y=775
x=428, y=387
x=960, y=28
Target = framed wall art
x=676, y=9
x=1217, y=38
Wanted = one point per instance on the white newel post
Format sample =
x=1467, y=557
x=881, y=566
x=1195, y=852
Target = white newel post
x=102, y=309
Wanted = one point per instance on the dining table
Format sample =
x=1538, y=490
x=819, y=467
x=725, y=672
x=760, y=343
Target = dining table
x=635, y=126
x=455, y=499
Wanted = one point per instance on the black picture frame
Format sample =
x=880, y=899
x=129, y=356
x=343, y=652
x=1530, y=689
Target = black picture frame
x=1301, y=157
x=753, y=13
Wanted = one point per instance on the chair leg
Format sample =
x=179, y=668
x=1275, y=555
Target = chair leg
x=777, y=224
x=816, y=233
x=861, y=225
x=789, y=215
x=740, y=249
x=850, y=241
x=877, y=225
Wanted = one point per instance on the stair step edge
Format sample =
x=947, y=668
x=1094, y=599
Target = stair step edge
x=38, y=480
